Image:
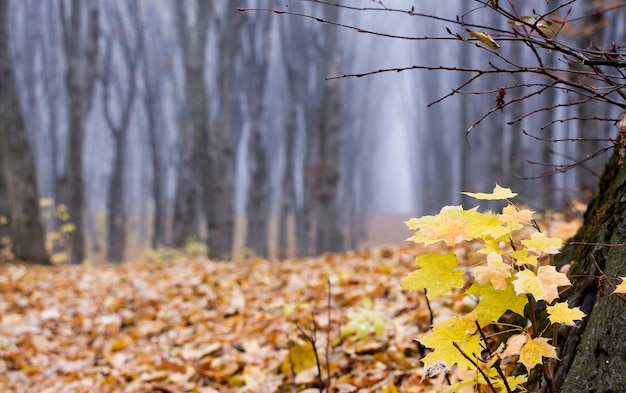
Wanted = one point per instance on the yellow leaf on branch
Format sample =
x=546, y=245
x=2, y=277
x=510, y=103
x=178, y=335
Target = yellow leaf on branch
x=541, y=243
x=528, y=283
x=493, y=303
x=448, y=226
x=522, y=257
x=437, y=275
x=534, y=350
x=496, y=272
x=485, y=39
x=562, y=313
x=515, y=218
x=459, y=330
x=499, y=193
x=621, y=288
x=550, y=281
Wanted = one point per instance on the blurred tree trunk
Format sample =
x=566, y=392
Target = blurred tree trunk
x=226, y=136
x=256, y=60
x=126, y=89
x=293, y=36
x=194, y=175
x=80, y=41
x=5, y=213
x=17, y=162
x=592, y=353
x=153, y=54
x=329, y=236
x=589, y=33
x=288, y=228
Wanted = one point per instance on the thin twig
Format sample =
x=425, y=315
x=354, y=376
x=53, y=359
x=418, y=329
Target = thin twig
x=493, y=389
x=312, y=339
x=328, y=338
x=496, y=365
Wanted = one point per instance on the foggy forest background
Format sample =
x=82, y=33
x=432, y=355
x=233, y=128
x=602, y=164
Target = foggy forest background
x=206, y=123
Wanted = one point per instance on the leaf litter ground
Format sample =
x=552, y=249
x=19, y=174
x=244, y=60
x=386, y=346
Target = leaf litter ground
x=205, y=326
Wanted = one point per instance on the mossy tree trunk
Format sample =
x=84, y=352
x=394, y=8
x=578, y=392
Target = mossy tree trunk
x=593, y=354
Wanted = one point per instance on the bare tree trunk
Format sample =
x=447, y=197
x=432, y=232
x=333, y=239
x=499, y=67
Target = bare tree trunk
x=186, y=206
x=80, y=73
x=326, y=165
x=116, y=220
x=256, y=60
x=227, y=133
x=152, y=104
x=5, y=213
x=152, y=100
x=301, y=59
x=17, y=162
x=195, y=171
x=116, y=215
x=287, y=226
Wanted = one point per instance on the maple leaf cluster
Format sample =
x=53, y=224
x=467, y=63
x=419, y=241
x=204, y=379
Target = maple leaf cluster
x=506, y=278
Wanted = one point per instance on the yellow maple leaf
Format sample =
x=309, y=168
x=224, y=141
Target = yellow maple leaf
x=621, y=288
x=495, y=272
x=300, y=357
x=544, y=285
x=562, y=313
x=490, y=245
x=527, y=282
x=550, y=280
x=514, y=217
x=514, y=345
x=522, y=257
x=541, y=243
x=534, y=350
x=499, y=193
x=448, y=226
x=437, y=274
x=485, y=225
x=459, y=330
x=493, y=303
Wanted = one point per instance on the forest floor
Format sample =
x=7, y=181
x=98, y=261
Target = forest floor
x=195, y=325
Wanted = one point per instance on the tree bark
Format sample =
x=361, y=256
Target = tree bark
x=116, y=220
x=195, y=169
x=256, y=61
x=592, y=354
x=17, y=162
x=291, y=221
x=225, y=139
x=328, y=133
x=80, y=73
x=153, y=104
x=152, y=100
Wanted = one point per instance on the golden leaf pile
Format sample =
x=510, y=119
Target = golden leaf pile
x=206, y=326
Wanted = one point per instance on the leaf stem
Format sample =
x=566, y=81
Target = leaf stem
x=531, y=313
x=430, y=310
